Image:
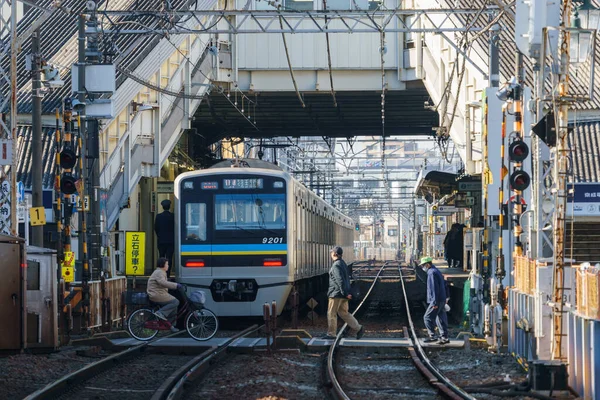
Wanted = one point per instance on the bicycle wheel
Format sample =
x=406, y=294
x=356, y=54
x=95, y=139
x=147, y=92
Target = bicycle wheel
x=202, y=324
x=142, y=324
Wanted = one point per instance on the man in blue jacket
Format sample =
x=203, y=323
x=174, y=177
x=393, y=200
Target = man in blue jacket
x=436, y=300
x=339, y=295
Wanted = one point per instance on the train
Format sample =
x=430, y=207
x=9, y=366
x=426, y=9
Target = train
x=247, y=233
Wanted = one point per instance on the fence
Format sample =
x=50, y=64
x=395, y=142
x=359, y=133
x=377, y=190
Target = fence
x=525, y=274
x=587, y=290
x=114, y=288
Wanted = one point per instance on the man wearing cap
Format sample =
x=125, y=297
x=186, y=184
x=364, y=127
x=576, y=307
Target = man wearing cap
x=436, y=300
x=339, y=295
x=164, y=226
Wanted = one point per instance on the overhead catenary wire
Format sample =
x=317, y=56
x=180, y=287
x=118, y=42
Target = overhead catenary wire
x=287, y=55
x=329, y=57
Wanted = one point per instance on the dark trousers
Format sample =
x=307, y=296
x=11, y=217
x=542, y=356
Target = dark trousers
x=166, y=251
x=439, y=316
x=169, y=310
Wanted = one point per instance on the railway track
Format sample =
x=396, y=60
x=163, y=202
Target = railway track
x=137, y=373
x=401, y=373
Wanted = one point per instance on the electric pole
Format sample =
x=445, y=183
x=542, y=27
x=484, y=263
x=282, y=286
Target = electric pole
x=561, y=162
x=37, y=232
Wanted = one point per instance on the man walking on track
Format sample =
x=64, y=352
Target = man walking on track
x=164, y=227
x=339, y=295
x=436, y=300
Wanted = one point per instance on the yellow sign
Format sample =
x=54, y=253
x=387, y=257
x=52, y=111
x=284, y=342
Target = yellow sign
x=37, y=216
x=135, y=253
x=68, y=267
x=69, y=260
x=68, y=274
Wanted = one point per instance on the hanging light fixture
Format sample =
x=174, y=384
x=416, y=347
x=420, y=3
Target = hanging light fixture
x=586, y=19
x=589, y=16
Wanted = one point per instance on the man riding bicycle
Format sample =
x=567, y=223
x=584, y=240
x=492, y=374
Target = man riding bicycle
x=157, y=290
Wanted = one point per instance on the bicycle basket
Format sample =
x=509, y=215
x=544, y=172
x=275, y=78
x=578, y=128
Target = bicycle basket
x=140, y=298
x=198, y=297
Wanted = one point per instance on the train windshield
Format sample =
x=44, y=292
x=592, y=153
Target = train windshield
x=249, y=211
x=195, y=222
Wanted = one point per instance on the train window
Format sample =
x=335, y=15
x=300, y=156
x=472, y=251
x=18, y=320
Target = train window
x=195, y=221
x=249, y=211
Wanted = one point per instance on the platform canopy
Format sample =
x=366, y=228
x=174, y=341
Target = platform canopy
x=276, y=114
x=433, y=183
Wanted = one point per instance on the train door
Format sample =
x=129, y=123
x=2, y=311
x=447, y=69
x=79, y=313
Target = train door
x=196, y=241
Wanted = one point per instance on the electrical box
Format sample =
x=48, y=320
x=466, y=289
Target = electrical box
x=42, y=311
x=99, y=78
x=12, y=294
x=548, y=375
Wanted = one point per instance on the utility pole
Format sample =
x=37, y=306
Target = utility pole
x=560, y=179
x=37, y=232
x=81, y=122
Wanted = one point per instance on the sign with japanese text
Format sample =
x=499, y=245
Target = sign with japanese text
x=135, y=253
x=585, y=200
x=5, y=207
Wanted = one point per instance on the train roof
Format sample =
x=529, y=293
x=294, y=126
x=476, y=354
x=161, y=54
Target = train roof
x=246, y=163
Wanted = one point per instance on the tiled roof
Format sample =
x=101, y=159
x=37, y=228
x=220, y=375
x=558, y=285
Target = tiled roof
x=24, y=156
x=59, y=45
x=508, y=50
x=585, y=144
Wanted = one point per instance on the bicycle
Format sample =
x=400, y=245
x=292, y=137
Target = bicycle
x=201, y=323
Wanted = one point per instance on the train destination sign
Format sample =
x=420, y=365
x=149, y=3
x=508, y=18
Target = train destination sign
x=256, y=183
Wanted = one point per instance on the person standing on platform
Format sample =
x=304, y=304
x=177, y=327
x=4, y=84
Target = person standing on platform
x=339, y=296
x=164, y=226
x=436, y=300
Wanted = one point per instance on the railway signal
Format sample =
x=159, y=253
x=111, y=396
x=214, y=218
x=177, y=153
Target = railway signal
x=517, y=153
x=68, y=159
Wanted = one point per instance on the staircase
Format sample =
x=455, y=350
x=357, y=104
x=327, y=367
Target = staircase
x=141, y=152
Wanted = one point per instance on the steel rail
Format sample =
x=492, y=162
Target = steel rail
x=174, y=386
x=422, y=362
x=56, y=388
x=338, y=392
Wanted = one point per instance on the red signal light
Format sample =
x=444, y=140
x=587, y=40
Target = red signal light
x=520, y=180
x=518, y=151
x=67, y=184
x=68, y=158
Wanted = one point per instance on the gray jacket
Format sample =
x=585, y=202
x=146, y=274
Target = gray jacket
x=339, y=281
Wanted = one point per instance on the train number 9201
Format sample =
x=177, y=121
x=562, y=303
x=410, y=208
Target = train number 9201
x=272, y=240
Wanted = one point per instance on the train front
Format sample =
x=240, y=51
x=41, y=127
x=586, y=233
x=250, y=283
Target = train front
x=232, y=235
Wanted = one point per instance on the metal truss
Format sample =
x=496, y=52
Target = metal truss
x=314, y=21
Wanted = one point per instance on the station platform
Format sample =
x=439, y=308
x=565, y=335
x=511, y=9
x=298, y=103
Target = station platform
x=312, y=344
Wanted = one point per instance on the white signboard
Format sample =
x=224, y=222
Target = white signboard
x=585, y=201
x=6, y=155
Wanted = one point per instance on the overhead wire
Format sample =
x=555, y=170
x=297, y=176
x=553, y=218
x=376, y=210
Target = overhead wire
x=329, y=56
x=287, y=55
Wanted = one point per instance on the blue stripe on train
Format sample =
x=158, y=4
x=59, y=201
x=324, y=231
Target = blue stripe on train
x=232, y=247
